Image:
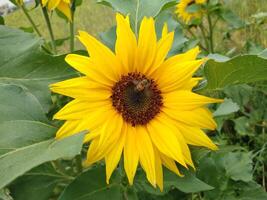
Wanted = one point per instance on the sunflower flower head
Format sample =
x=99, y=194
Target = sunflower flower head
x=62, y=5
x=182, y=9
x=136, y=103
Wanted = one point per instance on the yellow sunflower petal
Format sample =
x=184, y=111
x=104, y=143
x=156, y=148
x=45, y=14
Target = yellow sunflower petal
x=93, y=154
x=184, y=147
x=131, y=156
x=146, y=153
x=165, y=140
x=65, y=9
x=67, y=128
x=87, y=122
x=174, y=77
x=196, y=136
x=126, y=44
x=190, y=55
x=147, y=45
x=193, y=82
x=113, y=157
x=199, y=117
x=102, y=55
x=159, y=172
x=78, y=109
x=186, y=100
x=164, y=30
x=44, y=2
x=86, y=66
x=170, y=164
x=52, y=4
x=163, y=47
x=82, y=88
x=111, y=130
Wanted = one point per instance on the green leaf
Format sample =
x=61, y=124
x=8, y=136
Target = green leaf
x=40, y=180
x=137, y=8
x=109, y=37
x=19, y=104
x=226, y=108
x=25, y=131
x=232, y=19
x=229, y=172
x=241, y=69
x=238, y=166
x=242, y=126
x=187, y=184
x=22, y=120
x=193, y=8
x=91, y=185
x=19, y=161
x=131, y=194
x=22, y=62
x=251, y=191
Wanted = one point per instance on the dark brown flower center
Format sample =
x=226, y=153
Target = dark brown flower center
x=136, y=98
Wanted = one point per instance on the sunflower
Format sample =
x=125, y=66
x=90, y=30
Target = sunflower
x=62, y=5
x=136, y=102
x=181, y=10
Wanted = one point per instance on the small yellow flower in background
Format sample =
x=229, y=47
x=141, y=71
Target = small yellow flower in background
x=181, y=10
x=136, y=102
x=62, y=5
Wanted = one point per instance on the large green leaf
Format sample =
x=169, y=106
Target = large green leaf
x=241, y=69
x=40, y=180
x=137, y=8
x=22, y=120
x=187, y=184
x=22, y=62
x=25, y=132
x=231, y=175
x=19, y=161
x=91, y=185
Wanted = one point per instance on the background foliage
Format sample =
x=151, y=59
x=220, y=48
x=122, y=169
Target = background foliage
x=35, y=166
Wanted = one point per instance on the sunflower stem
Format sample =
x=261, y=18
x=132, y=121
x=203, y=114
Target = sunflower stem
x=78, y=163
x=194, y=35
x=204, y=36
x=263, y=164
x=25, y=11
x=48, y=23
x=73, y=8
x=210, y=33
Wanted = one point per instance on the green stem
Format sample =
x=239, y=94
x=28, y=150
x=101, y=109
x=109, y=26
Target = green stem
x=71, y=36
x=78, y=163
x=204, y=36
x=192, y=34
x=30, y=20
x=48, y=23
x=210, y=33
x=263, y=164
x=73, y=8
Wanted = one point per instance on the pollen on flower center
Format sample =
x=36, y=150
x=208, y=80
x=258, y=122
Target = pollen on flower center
x=136, y=98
